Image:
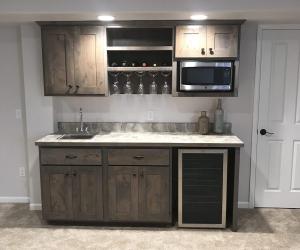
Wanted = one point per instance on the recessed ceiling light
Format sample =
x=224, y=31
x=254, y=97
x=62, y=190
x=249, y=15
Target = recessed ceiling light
x=198, y=17
x=106, y=18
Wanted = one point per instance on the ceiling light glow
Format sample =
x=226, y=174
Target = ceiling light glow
x=106, y=18
x=198, y=17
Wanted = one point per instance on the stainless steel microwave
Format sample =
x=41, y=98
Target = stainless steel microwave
x=213, y=76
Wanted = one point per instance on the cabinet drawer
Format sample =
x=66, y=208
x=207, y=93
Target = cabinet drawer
x=138, y=156
x=70, y=156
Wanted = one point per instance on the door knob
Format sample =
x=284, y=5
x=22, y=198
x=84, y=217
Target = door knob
x=265, y=132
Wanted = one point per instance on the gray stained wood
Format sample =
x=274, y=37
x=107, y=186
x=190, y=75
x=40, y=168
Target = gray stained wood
x=89, y=47
x=235, y=190
x=154, y=196
x=122, y=193
x=207, y=41
x=58, y=60
x=70, y=156
x=87, y=193
x=138, y=156
x=223, y=40
x=57, y=192
x=73, y=60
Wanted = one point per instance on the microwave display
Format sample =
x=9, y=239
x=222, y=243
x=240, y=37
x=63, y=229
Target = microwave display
x=206, y=76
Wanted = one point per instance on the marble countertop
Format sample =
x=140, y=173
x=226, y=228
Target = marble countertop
x=145, y=139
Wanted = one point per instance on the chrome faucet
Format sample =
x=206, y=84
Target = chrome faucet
x=81, y=121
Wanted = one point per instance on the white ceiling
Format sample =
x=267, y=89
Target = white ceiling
x=258, y=10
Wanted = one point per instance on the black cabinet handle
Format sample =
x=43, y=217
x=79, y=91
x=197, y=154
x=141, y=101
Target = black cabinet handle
x=139, y=157
x=77, y=86
x=211, y=51
x=265, y=132
x=70, y=86
x=70, y=157
x=134, y=174
x=203, y=51
x=67, y=174
x=74, y=174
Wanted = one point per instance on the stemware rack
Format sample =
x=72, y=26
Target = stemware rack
x=129, y=48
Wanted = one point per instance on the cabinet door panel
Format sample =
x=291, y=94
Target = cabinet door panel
x=190, y=41
x=89, y=60
x=87, y=192
x=56, y=192
x=122, y=193
x=222, y=40
x=154, y=194
x=58, y=60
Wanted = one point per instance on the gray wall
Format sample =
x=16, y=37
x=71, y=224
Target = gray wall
x=42, y=113
x=12, y=132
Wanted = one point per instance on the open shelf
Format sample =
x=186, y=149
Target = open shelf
x=140, y=48
x=139, y=68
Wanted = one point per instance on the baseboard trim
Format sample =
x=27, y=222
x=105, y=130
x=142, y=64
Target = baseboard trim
x=243, y=204
x=14, y=199
x=35, y=206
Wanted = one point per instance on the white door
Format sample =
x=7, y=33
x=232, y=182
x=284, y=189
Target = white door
x=278, y=154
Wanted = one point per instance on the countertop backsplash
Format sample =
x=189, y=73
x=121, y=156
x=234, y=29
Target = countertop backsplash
x=98, y=127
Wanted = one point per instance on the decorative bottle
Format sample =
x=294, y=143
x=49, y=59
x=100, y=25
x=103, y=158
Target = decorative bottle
x=203, y=123
x=219, y=118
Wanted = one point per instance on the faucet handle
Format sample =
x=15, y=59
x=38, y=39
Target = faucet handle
x=86, y=129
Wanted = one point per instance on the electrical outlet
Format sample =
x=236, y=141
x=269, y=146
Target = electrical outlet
x=22, y=172
x=150, y=115
x=18, y=114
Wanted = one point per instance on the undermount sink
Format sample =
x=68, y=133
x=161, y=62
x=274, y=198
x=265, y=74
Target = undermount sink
x=76, y=137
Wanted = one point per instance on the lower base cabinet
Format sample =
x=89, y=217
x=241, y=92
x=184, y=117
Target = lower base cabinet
x=72, y=192
x=139, y=193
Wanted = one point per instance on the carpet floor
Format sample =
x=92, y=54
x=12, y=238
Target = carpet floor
x=21, y=228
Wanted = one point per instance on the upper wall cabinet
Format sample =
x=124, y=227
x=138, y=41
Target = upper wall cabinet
x=207, y=41
x=73, y=58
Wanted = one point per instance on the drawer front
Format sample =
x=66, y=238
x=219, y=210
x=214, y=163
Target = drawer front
x=135, y=157
x=70, y=156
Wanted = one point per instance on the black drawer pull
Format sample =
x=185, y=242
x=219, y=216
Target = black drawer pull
x=139, y=157
x=74, y=174
x=66, y=174
x=70, y=157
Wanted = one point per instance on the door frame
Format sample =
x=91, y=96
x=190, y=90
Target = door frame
x=255, y=117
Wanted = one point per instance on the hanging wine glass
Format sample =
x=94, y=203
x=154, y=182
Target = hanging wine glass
x=165, y=88
x=128, y=87
x=140, y=88
x=115, y=85
x=153, y=86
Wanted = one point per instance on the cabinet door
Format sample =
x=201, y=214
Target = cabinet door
x=89, y=60
x=154, y=194
x=56, y=184
x=58, y=60
x=222, y=40
x=190, y=41
x=123, y=193
x=87, y=192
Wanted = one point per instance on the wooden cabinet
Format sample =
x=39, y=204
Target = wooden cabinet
x=73, y=59
x=58, y=60
x=73, y=179
x=222, y=40
x=190, y=41
x=139, y=194
x=56, y=192
x=122, y=193
x=207, y=41
x=72, y=192
x=87, y=193
x=154, y=194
